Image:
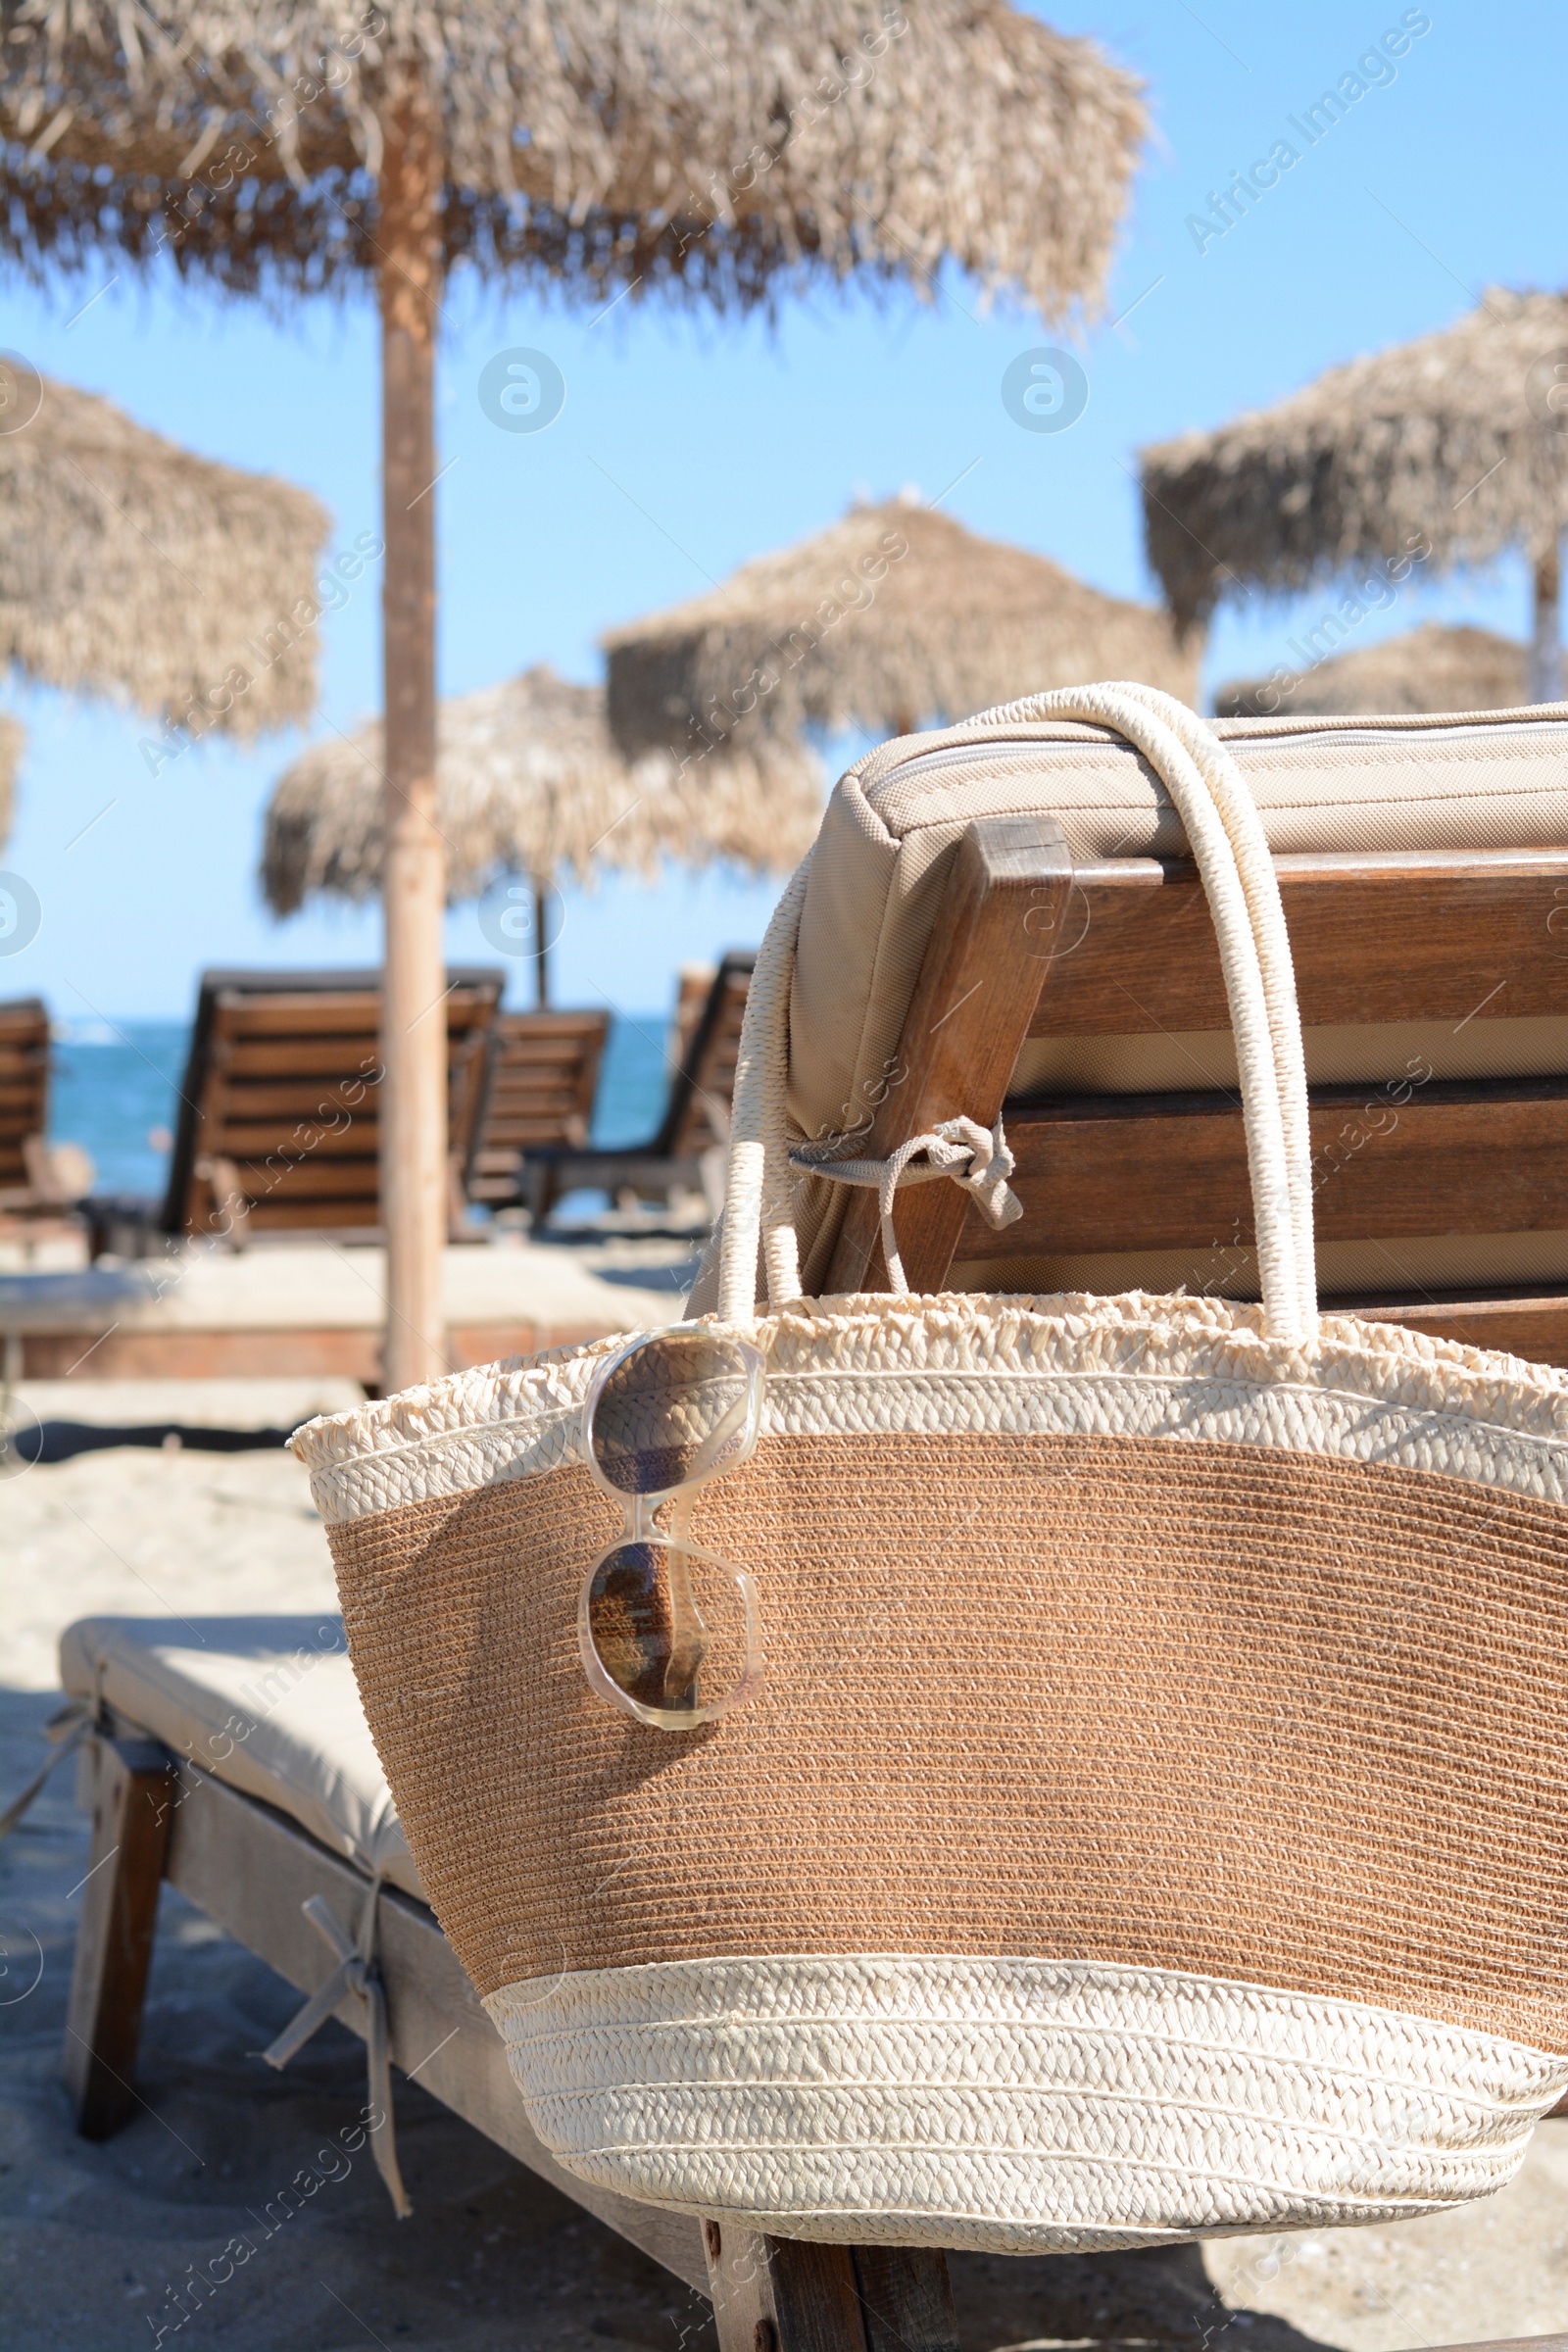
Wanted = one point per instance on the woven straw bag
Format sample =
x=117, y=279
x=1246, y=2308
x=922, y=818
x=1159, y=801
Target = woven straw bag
x=1151, y=1821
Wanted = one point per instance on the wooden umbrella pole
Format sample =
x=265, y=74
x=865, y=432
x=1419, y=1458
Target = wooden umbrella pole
x=541, y=946
x=1546, y=651
x=413, y=1026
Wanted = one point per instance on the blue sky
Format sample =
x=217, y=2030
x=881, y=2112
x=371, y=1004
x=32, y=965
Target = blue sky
x=685, y=447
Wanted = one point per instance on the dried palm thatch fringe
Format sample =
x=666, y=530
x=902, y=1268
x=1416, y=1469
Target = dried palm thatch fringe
x=617, y=144
x=129, y=567
x=893, y=615
x=531, y=784
x=1429, y=668
x=13, y=741
x=1450, y=439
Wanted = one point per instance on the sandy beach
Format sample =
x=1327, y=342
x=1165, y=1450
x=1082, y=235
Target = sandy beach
x=93, y=2239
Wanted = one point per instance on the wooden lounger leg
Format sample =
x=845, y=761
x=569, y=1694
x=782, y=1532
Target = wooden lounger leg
x=775, y=2294
x=907, y=2299
x=133, y=1805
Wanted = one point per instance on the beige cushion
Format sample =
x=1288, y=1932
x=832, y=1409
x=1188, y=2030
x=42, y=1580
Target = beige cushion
x=268, y=1704
x=1173, y=1061
x=888, y=840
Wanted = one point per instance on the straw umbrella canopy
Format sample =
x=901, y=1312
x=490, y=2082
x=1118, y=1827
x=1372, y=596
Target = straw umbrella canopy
x=1429, y=668
x=129, y=567
x=11, y=741
x=609, y=142
x=1447, y=450
x=893, y=615
x=132, y=569
x=531, y=784
x=716, y=152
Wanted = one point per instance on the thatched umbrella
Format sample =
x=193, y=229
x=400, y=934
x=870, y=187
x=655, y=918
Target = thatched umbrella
x=1446, y=450
x=131, y=567
x=893, y=615
x=1429, y=668
x=11, y=740
x=713, y=150
x=531, y=784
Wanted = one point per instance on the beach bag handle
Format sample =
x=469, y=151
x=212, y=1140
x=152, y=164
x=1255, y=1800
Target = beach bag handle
x=1227, y=842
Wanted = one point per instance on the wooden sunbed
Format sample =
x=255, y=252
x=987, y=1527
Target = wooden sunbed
x=160, y=1787
x=278, y=1128
x=694, y=984
x=31, y=1189
x=686, y=1151
x=1024, y=948
x=540, y=1075
x=24, y=1091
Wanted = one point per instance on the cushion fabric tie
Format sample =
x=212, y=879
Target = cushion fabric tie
x=66, y=1727
x=960, y=1148
x=357, y=1972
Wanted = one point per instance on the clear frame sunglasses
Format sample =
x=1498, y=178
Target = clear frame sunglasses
x=667, y=1631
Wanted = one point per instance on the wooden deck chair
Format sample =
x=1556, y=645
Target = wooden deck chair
x=277, y=1129
x=540, y=1076
x=1034, y=973
x=38, y=1180
x=686, y=1152
x=693, y=985
x=230, y=1757
x=1086, y=1007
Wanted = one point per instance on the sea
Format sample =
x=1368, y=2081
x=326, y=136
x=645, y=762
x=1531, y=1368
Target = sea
x=115, y=1091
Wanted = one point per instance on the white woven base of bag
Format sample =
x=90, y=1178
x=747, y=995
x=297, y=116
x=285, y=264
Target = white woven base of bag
x=1011, y=2106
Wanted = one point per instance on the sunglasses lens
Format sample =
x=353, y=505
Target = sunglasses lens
x=670, y=1633
x=681, y=1407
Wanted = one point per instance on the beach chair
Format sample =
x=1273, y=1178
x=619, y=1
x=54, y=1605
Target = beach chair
x=540, y=1074
x=693, y=985
x=39, y=1182
x=230, y=1757
x=277, y=1129
x=1032, y=1002
x=686, y=1153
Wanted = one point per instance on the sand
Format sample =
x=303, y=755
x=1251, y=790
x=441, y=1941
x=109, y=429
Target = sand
x=92, y=2240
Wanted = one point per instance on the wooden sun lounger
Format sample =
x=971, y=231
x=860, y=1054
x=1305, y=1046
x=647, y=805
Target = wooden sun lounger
x=1023, y=947
x=685, y=1152
x=251, y=1871
x=31, y=1193
x=541, y=1072
x=278, y=1128
x=157, y=1815
x=24, y=1093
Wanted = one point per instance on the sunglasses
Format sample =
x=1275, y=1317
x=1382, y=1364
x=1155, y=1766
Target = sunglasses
x=667, y=1630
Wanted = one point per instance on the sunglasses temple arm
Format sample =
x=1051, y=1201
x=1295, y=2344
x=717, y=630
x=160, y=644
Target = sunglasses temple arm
x=687, y=1635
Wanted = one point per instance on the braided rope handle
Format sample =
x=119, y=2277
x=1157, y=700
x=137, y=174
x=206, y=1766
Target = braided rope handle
x=1232, y=854
x=1238, y=813
x=756, y=1198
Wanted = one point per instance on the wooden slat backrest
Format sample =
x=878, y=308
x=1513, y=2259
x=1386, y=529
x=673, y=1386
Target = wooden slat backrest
x=280, y=1101
x=694, y=984
x=544, y=1068
x=541, y=1075
x=1119, y=949
x=1387, y=936
x=23, y=1081
x=698, y=1116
